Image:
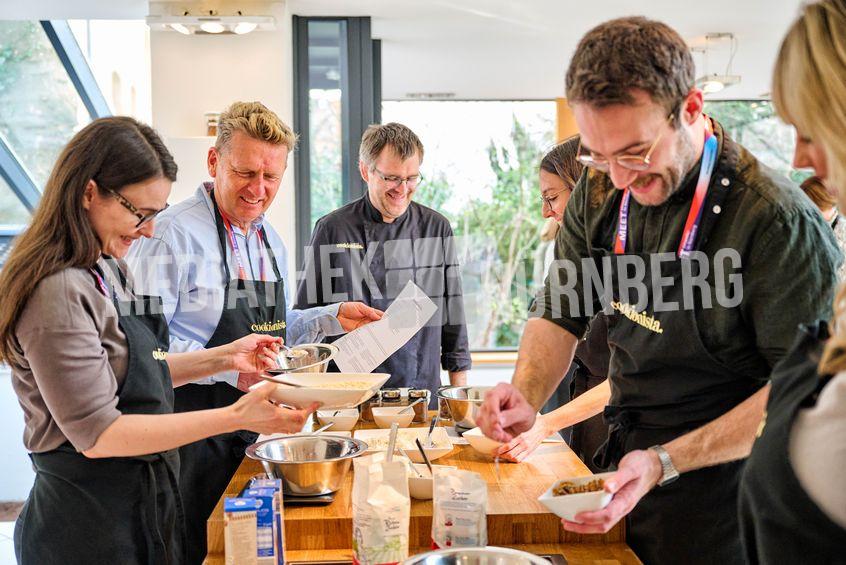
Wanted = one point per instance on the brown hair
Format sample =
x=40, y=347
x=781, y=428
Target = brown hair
x=809, y=92
x=113, y=152
x=400, y=138
x=624, y=54
x=255, y=120
x=818, y=193
x=562, y=160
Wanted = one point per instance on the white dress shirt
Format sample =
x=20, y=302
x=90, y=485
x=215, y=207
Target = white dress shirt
x=182, y=263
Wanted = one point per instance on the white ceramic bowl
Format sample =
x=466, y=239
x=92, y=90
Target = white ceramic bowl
x=384, y=416
x=481, y=443
x=568, y=505
x=342, y=420
x=377, y=440
x=422, y=488
x=331, y=390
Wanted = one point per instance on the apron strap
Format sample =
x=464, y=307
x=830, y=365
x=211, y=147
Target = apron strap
x=271, y=255
x=620, y=422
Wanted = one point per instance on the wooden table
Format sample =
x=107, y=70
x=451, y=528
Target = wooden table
x=515, y=517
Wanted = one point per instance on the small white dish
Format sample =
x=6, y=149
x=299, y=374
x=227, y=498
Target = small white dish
x=342, y=420
x=481, y=443
x=568, y=505
x=422, y=488
x=377, y=440
x=384, y=416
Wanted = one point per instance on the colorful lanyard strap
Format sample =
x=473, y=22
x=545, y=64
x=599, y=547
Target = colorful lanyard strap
x=242, y=273
x=101, y=282
x=694, y=216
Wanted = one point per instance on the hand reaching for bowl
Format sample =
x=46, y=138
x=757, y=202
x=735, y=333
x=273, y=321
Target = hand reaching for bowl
x=524, y=444
x=255, y=412
x=505, y=413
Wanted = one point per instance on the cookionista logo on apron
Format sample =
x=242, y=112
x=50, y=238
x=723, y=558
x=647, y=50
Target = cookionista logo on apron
x=159, y=355
x=274, y=326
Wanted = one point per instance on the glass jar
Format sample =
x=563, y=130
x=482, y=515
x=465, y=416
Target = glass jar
x=366, y=408
x=421, y=411
x=391, y=397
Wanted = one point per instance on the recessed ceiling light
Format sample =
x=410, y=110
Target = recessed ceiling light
x=180, y=28
x=212, y=27
x=244, y=27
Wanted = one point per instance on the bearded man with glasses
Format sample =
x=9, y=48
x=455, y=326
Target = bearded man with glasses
x=688, y=375
x=370, y=248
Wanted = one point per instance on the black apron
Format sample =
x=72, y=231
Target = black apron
x=779, y=522
x=208, y=465
x=662, y=386
x=123, y=510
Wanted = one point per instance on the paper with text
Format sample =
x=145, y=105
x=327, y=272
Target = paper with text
x=364, y=349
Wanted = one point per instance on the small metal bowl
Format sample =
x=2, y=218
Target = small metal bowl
x=308, y=465
x=315, y=360
x=464, y=403
x=476, y=556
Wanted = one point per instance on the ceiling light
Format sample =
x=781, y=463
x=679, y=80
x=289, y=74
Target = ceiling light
x=715, y=83
x=244, y=27
x=212, y=27
x=180, y=28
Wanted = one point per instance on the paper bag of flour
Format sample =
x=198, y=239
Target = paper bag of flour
x=381, y=510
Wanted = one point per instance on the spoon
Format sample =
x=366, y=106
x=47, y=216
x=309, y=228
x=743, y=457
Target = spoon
x=392, y=442
x=277, y=380
x=412, y=405
x=425, y=457
x=323, y=428
x=435, y=419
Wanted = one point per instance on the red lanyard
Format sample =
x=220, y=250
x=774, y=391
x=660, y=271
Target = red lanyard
x=101, y=283
x=242, y=273
x=694, y=216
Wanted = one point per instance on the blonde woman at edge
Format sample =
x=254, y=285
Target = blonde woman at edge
x=793, y=490
x=559, y=171
x=90, y=365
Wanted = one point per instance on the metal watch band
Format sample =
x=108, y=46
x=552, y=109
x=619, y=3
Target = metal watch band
x=668, y=471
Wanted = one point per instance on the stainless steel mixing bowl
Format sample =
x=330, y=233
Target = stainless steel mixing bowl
x=315, y=358
x=476, y=556
x=309, y=465
x=464, y=403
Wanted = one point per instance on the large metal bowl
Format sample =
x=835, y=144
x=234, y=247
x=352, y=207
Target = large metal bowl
x=313, y=358
x=476, y=556
x=464, y=403
x=307, y=464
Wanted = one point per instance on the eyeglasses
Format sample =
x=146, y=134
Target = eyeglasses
x=394, y=182
x=142, y=218
x=550, y=197
x=631, y=162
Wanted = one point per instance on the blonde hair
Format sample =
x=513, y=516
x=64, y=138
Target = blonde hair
x=819, y=194
x=810, y=93
x=255, y=120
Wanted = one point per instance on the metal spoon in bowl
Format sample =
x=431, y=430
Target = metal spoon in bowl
x=412, y=405
x=425, y=457
x=323, y=428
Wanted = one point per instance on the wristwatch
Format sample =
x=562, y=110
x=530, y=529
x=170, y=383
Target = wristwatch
x=669, y=473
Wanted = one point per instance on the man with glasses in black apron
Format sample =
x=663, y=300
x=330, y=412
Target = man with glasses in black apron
x=705, y=262
x=221, y=270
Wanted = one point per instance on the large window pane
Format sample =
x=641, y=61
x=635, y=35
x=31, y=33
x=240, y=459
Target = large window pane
x=118, y=53
x=12, y=212
x=480, y=168
x=325, y=129
x=755, y=125
x=39, y=107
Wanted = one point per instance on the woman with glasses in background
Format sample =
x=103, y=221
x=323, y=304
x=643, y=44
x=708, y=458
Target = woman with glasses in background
x=90, y=365
x=559, y=172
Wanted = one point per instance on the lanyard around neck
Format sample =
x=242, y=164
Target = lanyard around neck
x=101, y=282
x=242, y=273
x=694, y=216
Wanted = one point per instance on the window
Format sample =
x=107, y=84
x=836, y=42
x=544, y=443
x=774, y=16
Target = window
x=39, y=106
x=755, y=125
x=481, y=170
x=12, y=210
x=118, y=52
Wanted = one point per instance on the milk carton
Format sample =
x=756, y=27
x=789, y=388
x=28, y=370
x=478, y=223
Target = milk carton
x=239, y=531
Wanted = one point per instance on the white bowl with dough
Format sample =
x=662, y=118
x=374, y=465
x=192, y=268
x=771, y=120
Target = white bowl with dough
x=331, y=390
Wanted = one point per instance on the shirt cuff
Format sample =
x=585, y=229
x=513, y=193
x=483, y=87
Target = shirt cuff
x=328, y=320
x=228, y=377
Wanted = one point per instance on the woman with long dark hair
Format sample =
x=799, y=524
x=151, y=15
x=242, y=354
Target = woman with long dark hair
x=90, y=365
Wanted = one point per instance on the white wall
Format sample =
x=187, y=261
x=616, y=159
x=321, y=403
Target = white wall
x=194, y=74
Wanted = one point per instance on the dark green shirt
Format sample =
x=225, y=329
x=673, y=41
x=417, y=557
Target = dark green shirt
x=788, y=253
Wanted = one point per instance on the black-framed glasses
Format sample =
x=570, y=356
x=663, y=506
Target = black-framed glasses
x=631, y=162
x=547, y=199
x=142, y=218
x=393, y=182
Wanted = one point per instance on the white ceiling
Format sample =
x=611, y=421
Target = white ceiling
x=504, y=49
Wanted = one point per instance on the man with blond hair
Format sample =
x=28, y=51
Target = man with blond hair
x=205, y=260
x=369, y=249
